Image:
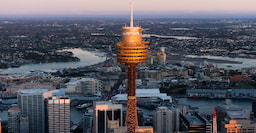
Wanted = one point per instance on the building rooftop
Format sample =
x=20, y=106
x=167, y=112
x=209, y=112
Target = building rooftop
x=193, y=120
x=145, y=93
x=236, y=114
x=14, y=109
x=103, y=103
x=31, y=91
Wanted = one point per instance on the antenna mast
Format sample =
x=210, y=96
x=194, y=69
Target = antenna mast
x=131, y=24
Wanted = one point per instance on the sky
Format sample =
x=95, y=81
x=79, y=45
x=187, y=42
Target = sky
x=102, y=7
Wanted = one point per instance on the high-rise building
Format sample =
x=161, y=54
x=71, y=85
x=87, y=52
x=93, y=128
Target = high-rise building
x=163, y=120
x=106, y=116
x=14, y=119
x=24, y=124
x=88, y=121
x=167, y=120
x=162, y=57
x=195, y=124
x=131, y=51
x=221, y=113
x=254, y=107
x=31, y=104
x=237, y=122
x=0, y=126
x=58, y=111
x=84, y=85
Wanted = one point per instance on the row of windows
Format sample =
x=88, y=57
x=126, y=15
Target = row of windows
x=131, y=48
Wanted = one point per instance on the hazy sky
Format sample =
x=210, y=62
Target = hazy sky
x=122, y=6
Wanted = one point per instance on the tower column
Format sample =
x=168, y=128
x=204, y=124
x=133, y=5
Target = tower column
x=131, y=115
x=131, y=112
x=132, y=79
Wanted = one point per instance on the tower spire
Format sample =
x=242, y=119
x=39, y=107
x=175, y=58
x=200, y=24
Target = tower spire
x=131, y=24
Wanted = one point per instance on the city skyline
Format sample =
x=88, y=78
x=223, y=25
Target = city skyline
x=115, y=7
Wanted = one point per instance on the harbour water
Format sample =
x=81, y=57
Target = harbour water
x=86, y=58
x=206, y=105
x=246, y=62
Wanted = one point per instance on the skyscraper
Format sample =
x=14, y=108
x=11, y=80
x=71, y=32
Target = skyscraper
x=131, y=51
x=254, y=107
x=106, y=115
x=163, y=120
x=14, y=120
x=31, y=104
x=58, y=110
x=24, y=124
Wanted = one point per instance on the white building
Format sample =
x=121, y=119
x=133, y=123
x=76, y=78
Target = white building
x=144, y=93
x=84, y=85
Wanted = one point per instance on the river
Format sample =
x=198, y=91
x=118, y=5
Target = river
x=246, y=62
x=86, y=58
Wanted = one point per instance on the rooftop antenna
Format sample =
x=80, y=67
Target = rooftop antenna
x=131, y=24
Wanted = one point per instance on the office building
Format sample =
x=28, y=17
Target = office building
x=237, y=122
x=14, y=119
x=106, y=116
x=84, y=85
x=31, y=104
x=24, y=124
x=88, y=121
x=167, y=120
x=195, y=124
x=221, y=112
x=254, y=107
x=163, y=120
x=162, y=57
x=58, y=111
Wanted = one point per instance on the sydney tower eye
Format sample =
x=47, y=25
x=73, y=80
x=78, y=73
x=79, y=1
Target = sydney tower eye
x=131, y=51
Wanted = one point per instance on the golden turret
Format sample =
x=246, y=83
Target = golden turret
x=131, y=49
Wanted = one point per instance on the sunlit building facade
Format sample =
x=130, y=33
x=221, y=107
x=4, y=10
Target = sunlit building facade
x=32, y=105
x=58, y=111
x=237, y=122
x=107, y=116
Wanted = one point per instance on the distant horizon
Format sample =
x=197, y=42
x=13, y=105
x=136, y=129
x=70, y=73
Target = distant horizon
x=122, y=7
x=139, y=14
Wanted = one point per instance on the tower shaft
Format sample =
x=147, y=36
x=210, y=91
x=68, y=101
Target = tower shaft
x=131, y=112
x=132, y=78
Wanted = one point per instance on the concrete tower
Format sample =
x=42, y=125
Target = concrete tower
x=131, y=51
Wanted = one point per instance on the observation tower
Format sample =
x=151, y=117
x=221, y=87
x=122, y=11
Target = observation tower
x=131, y=51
